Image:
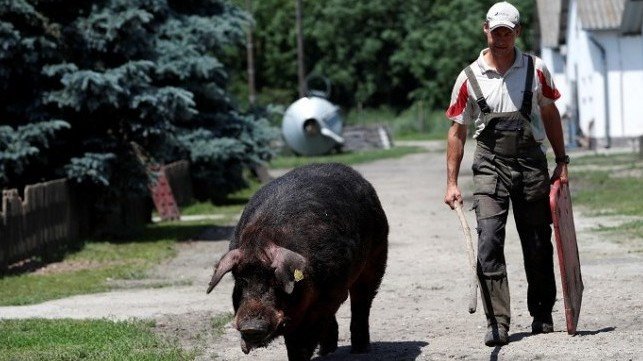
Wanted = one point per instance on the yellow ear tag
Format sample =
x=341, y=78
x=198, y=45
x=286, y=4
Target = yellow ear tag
x=299, y=275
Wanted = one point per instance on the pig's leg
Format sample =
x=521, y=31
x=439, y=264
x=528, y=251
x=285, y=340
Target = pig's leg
x=362, y=293
x=302, y=343
x=328, y=342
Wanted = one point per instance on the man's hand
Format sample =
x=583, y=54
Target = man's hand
x=560, y=172
x=453, y=196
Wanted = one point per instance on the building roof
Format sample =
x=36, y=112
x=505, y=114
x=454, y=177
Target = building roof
x=626, y=16
x=600, y=14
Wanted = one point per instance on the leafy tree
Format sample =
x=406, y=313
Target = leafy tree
x=437, y=46
x=21, y=148
x=274, y=49
x=375, y=52
x=110, y=82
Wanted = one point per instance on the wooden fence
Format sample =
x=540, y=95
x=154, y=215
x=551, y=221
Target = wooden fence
x=50, y=216
x=38, y=224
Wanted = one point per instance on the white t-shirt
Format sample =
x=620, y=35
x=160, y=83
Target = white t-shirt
x=503, y=93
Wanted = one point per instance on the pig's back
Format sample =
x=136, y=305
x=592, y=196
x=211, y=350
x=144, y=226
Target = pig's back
x=327, y=212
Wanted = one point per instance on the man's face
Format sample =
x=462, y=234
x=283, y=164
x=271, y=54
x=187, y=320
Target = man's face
x=501, y=40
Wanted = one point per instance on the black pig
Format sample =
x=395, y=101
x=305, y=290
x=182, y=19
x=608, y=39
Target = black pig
x=304, y=242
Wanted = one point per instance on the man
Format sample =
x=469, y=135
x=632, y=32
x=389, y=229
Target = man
x=508, y=96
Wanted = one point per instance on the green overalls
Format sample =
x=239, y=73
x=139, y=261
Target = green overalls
x=509, y=165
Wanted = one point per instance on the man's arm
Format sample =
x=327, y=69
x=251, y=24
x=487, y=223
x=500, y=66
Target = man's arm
x=456, y=138
x=554, y=129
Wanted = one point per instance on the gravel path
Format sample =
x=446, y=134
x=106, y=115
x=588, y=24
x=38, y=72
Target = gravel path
x=420, y=312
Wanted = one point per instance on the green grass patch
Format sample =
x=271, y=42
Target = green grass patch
x=608, y=160
x=226, y=213
x=415, y=123
x=635, y=230
x=603, y=194
x=90, y=269
x=229, y=209
x=86, y=271
x=219, y=322
x=356, y=157
x=608, y=185
x=198, y=208
x=600, y=194
x=34, y=288
x=53, y=340
x=421, y=136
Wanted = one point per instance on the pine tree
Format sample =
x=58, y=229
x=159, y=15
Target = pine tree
x=84, y=84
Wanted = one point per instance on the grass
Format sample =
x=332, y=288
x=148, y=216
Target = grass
x=230, y=210
x=604, y=194
x=608, y=185
x=630, y=159
x=415, y=123
x=90, y=269
x=53, y=340
x=219, y=322
x=86, y=271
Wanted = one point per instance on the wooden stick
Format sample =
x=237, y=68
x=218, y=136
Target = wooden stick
x=473, y=281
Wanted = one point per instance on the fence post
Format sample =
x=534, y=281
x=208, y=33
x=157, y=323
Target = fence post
x=4, y=241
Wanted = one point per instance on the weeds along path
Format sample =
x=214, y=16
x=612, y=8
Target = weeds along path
x=420, y=312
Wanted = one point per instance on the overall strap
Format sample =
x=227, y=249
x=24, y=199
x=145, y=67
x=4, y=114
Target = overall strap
x=525, y=109
x=482, y=103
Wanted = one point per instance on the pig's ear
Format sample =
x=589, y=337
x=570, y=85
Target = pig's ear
x=224, y=266
x=289, y=267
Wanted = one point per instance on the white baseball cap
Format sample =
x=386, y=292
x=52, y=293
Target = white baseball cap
x=503, y=14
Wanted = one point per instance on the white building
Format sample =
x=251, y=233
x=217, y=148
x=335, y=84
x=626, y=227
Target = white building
x=595, y=50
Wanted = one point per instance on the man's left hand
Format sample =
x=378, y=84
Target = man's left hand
x=560, y=172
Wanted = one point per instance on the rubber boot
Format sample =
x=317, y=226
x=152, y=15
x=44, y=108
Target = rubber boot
x=496, y=302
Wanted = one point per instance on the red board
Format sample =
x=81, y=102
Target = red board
x=567, y=247
x=163, y=197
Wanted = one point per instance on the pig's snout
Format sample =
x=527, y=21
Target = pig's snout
x=253, y=334
x=254, y=330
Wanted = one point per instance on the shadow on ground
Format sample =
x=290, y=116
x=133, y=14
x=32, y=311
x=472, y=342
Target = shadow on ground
x=218, y=233
x=398, y=350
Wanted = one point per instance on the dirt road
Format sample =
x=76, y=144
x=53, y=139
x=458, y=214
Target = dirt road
x=420, y=312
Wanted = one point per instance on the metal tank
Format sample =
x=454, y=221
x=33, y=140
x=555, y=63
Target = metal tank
x=312, y=125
